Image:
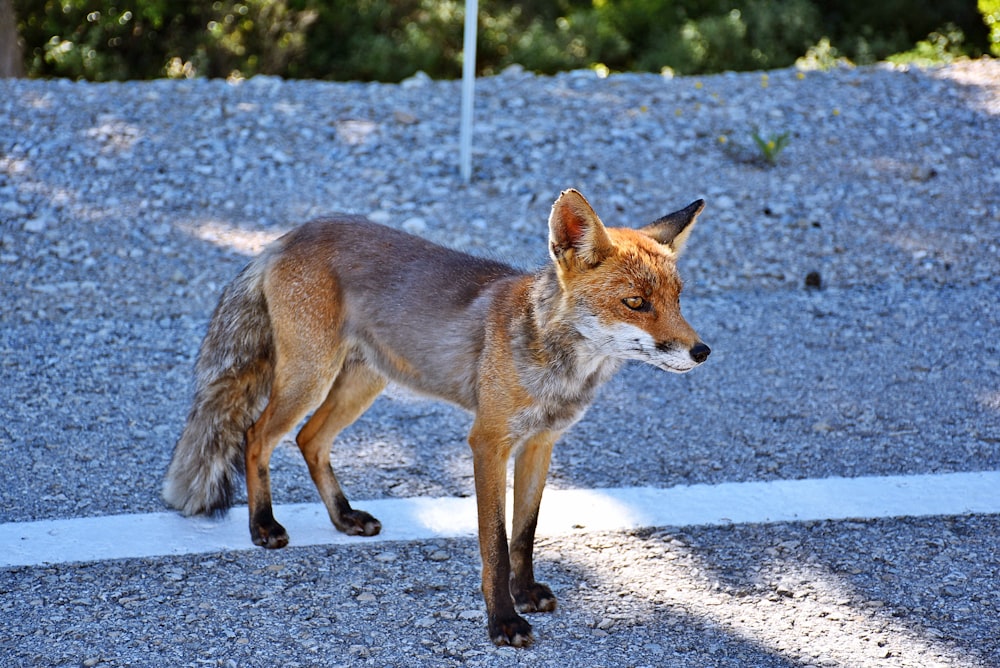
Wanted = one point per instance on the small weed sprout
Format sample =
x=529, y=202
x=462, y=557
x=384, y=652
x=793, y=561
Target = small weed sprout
x=763, y=152
x=772, y=146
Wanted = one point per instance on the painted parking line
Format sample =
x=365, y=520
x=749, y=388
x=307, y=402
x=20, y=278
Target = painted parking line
x=563, y=511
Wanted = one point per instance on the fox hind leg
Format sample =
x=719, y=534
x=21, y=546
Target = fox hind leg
x=299, y=386
x=352, y=393
x=261, y=441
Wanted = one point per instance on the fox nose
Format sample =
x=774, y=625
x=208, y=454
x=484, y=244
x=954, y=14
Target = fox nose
x=700, y=352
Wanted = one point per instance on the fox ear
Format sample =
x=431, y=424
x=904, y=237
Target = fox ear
x=576, y=231
x=673, y=229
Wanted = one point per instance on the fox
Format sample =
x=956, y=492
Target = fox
x=314, y=328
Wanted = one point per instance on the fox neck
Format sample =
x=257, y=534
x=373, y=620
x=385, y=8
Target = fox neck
x=570, y=367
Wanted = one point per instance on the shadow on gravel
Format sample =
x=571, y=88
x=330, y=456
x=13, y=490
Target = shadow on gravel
x=886, y=592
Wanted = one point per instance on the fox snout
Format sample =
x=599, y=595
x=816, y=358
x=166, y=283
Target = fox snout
x=678, y=358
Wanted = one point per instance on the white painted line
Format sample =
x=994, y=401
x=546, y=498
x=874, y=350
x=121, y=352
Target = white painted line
x=563, y=511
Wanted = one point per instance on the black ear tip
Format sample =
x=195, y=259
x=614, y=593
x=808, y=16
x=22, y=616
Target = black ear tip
x=696, y=206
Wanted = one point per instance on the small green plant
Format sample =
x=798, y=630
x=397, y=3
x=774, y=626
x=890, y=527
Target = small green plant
x=763, y=152
x=771, y=147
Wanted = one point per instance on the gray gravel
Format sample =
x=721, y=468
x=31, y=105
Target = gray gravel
x=917, y=593
x=124, y=208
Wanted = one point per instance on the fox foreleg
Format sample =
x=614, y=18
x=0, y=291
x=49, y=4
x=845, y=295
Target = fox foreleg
x=531, y=466
x=490, y=453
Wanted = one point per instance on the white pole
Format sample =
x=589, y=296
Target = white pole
x=468, y=87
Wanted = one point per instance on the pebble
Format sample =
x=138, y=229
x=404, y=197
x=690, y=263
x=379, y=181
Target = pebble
x=35, y=225
x=419, y=79
x=425, y=622
x=415, y=225
x=12, y=209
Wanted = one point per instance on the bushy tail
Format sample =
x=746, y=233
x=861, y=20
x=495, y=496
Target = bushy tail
x=233, y=377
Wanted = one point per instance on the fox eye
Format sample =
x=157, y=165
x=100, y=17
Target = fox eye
x=636, y=303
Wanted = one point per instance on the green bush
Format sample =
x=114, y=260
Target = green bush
x=941, y=46
x=100, y=40
x=990, y=9
x=381, y=40
x=867, y=31
x=389, y=40
x=695, y=37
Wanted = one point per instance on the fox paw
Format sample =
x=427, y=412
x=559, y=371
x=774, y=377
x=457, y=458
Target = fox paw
x=536, y=598
x=512, y=630
x=359, y=523
x=271, y=536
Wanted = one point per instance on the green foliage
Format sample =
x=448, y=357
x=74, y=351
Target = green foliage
x=941, y=46
x=382, y=40
x=990, y=9
x=865, y=31
x=577, y=40
x=822, y=56
x=104, y=40
x=692, y=37
x=388, y=40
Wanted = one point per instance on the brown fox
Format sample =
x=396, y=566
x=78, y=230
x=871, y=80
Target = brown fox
x=335, y=309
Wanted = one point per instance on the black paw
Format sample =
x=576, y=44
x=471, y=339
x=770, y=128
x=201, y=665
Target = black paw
x=270, y=535
x=536, y=598
x=512, y=630
x=359, y=523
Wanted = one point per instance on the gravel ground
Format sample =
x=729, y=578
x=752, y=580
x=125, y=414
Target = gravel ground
x=916, y=593
x=124, y=208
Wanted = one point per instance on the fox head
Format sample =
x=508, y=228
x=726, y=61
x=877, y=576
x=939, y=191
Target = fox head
x=623, y=285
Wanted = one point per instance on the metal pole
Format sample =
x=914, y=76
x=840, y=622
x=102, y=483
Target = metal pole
x=468, y=87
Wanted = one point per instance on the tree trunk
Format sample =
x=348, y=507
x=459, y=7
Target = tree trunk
x=11, y=59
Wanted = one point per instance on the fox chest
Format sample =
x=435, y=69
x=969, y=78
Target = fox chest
x=555, y=418
x=559, y=401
